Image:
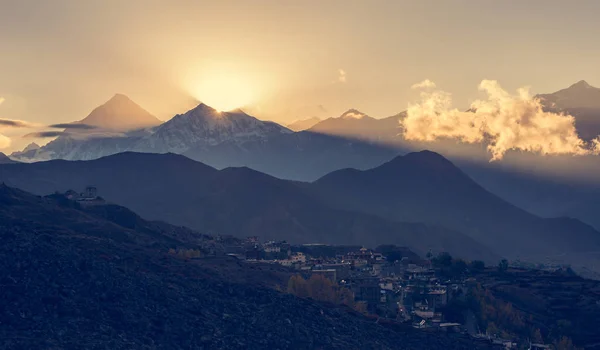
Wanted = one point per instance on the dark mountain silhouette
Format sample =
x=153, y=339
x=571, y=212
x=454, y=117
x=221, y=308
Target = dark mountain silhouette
x=303, y=124
x=426, y=187
x=80, y=281
x=303, y=155
x=237, y=201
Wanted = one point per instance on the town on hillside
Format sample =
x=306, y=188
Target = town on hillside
x=393, y=284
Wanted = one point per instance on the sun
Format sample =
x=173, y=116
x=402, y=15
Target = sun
x=223, y=92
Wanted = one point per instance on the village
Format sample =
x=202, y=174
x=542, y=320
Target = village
x=391, y=283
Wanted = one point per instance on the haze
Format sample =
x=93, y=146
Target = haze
x=281, y=60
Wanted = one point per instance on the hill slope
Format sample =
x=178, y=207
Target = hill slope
x=236, y=201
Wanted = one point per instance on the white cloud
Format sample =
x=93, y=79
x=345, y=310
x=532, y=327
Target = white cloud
x=342, y=76
x=425, y=84
x=5, y=141
x=504, y=121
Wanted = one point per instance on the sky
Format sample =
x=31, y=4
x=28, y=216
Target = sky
x=281, y=60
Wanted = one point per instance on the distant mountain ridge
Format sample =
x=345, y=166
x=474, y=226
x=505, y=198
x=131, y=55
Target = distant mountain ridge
x=356, y=124
x=237, y=201
x=386, y=204
x=303, y=124
x=426, y=187
x=220, y=139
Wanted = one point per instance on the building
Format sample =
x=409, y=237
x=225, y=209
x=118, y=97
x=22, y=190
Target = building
x=366, y=289
x=88, y=197
x=437, y=298
x=90, y=192
x=342, y=270
x=298, y=258
x=277, y=250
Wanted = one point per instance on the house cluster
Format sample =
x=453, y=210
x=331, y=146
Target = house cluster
x=88, y=196
x=403, y=290
x=253, y=249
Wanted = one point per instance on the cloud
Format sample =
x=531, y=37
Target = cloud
x=44, y=134
x=77, y=126
x=322, y=108
x=1, y=100
x=503, y=121
x=5, y=141
x=342, y=76
x=425, y=84
x=16, y=123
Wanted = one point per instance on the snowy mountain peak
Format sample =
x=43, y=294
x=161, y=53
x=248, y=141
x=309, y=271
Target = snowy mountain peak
x=578, y=95
x=120, y=113
x=353, y=114
x=582, y=84
x=203, y=108
x=30, y=147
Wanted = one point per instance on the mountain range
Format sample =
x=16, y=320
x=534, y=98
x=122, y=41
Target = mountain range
x=357, y=125
x=545, y=186
x=420, y=200
x=303, y=124
x=233, y=201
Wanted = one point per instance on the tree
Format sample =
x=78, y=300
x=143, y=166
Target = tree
x=459, y=267
x=477, y=266
x=503, y=265
x=442, y=260
x=361, y=307
x=492, y=329
x=298, y=286
x=565, y=343
x=537, y=336
x=321, y=288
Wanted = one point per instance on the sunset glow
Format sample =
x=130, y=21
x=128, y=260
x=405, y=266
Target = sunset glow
x=223, y=92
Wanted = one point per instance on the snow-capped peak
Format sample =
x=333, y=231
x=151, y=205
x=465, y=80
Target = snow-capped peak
x=30, y=147
x=353, y=114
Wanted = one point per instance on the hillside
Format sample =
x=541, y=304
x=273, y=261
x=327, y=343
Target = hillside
x=181, y=191
x=74, y=280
